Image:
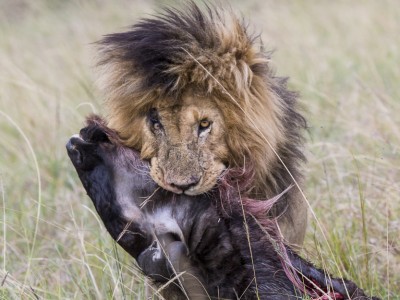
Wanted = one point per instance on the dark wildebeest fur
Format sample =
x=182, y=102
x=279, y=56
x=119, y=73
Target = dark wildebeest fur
x=202, y=240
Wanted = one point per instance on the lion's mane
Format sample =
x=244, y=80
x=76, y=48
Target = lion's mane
x=209, y=51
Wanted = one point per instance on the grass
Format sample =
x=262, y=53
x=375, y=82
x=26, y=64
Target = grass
x=343, y=58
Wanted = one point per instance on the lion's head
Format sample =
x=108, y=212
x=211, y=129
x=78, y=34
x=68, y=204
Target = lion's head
x=184, y=141
x=195, y=94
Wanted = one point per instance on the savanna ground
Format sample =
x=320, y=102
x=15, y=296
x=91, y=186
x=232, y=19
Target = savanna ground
x=342, y=56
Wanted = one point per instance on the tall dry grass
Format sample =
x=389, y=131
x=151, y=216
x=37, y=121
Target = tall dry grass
x=342, y=56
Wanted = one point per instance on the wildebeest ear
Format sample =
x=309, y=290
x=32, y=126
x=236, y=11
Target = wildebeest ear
x=94, y=134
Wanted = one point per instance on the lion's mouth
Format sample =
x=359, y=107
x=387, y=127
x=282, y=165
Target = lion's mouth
x=188, y=189
x=170, y=187
x=205, y=184
x=191, y=184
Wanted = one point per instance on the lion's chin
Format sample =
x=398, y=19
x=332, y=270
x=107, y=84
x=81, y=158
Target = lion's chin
x=194, y=192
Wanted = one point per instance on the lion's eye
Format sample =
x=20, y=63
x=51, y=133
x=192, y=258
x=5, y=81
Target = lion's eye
x=157, y=125
x=154, y=119
x=204, y=124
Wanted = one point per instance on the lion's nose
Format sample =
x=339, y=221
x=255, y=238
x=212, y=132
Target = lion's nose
x=185, y=185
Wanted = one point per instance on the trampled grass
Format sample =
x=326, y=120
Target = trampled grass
x=343, y=57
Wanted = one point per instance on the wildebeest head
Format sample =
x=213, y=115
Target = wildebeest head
x=203, y=235
x=158, y=228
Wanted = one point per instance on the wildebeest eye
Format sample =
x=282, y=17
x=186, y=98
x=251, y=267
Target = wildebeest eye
x=154, y=119
x=204, y=124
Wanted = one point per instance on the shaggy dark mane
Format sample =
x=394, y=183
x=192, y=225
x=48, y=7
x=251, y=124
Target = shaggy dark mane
x=156, y=45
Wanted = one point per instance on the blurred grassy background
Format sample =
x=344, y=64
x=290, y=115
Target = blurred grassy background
x=342, y=56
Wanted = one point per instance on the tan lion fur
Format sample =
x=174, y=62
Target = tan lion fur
x=219, y=66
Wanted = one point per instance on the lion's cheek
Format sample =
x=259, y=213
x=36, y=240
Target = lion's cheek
x=148, y=150
x=209, y=178
x=217, y=153
x=212, y=167
x=156, y=172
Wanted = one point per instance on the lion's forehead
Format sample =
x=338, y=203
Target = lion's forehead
x=189, y=111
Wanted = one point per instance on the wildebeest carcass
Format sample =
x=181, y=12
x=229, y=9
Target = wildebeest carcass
x=212, y=246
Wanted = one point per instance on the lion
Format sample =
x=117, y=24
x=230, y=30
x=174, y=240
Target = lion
x=193, y=91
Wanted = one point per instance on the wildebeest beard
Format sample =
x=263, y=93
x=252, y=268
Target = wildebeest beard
x=212, y=246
